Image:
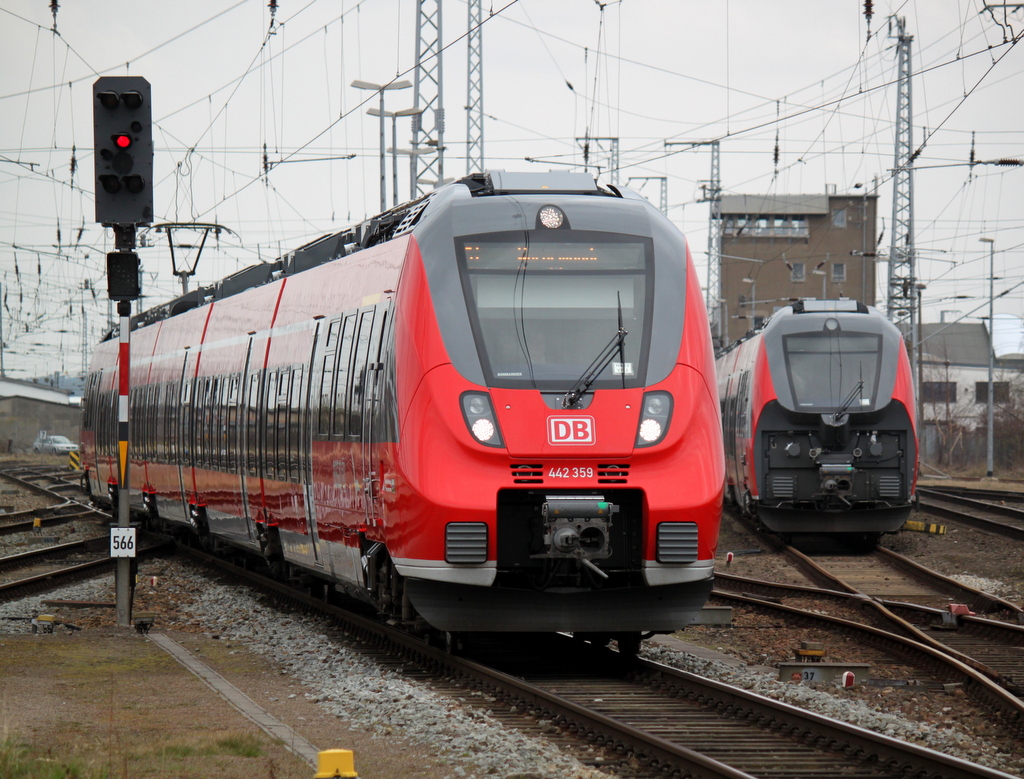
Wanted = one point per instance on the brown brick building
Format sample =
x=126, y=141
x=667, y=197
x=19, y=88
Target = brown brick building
x=776, y=248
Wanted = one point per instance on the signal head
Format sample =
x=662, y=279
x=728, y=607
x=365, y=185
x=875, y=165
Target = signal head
x=123, y=135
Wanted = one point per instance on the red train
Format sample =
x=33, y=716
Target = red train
x=819, y=421
x=491, y=409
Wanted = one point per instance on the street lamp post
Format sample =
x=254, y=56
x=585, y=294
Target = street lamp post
x=394, y=143
x=403, y=84
x=991, y=350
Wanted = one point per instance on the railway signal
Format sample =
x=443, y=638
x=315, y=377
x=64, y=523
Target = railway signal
x=123, y=136
x=123, y=146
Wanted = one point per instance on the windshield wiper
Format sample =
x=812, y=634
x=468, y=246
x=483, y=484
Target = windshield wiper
x=853, y=395
x=579, y=389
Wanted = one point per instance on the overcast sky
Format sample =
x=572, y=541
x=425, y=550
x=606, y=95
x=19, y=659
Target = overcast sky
x=804, y=76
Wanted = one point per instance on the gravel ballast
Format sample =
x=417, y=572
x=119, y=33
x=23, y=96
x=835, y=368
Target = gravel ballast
x=377, y=700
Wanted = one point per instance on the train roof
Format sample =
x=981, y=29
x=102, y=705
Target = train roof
x=383, y=227
x=806, y=306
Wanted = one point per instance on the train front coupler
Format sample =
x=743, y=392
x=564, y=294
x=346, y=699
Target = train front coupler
x=578, y=528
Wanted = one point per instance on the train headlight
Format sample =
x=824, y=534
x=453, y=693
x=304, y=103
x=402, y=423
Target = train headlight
x=479, y=415
x=656, y=411
x=551, y=217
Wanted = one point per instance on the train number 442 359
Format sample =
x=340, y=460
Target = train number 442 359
x=571, y=473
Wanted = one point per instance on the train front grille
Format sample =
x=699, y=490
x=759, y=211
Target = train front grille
x=890, y=486
x=783, y=487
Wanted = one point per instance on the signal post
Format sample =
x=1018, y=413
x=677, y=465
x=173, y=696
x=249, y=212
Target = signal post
x=123, y=156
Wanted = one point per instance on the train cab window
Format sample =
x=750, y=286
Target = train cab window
x=832, y=369
x=544, y=304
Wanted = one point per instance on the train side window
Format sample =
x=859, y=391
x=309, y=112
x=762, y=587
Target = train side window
x=327, y=378
x=232, y=432
x=270, y=426
x=203, y=423
x=358, y=378
x=252, y=426
x=225, y=431
x=296, y=444
x=187, y=428
x=339, y=399
x=284, y=428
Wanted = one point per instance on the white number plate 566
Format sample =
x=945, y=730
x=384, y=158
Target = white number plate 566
x=571, y=472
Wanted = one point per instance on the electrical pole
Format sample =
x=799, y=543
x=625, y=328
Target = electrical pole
x=475, y=89
x=428, y=99
x=712, y=195
x=990, y=449
x=592, y=146
x=662, y=182
x=902, y=299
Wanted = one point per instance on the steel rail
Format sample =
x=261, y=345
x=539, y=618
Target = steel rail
x=660, y=754
x=977, y=683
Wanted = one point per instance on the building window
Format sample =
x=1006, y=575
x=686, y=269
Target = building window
x=939, y=392
x=798, y=272
x=763, y=226
x=838, y=272
x=1001, y=390
x=839, y=218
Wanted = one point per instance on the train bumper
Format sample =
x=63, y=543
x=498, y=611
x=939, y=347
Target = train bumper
x=790, y=520
x=456, y=607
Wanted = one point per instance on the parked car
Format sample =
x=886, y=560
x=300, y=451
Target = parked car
x=53, y=444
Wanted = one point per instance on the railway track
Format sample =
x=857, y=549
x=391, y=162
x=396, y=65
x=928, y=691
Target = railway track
x=978, y=493
x=642, y=719
x=905, y=606
x=60, y=510
x=53, y=565
x=45, y=569
x=1003, y=520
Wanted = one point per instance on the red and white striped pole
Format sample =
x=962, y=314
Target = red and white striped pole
x=123, y=573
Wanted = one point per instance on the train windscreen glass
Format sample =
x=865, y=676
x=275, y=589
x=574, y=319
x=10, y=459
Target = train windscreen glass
x=543, y=309
x=829, y=371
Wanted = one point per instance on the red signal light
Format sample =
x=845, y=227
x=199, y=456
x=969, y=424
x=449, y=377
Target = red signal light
x=122, y=140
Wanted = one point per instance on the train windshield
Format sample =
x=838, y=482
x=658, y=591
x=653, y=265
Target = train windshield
x=544, y=307
x=832, y=370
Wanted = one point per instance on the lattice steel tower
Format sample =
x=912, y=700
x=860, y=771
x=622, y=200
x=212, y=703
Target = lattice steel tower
x=713, y=293
x=427, y=159
x=475, y=89
x=902, y=301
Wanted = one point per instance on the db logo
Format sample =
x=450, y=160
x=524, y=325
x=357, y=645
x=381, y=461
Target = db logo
x=570, y=430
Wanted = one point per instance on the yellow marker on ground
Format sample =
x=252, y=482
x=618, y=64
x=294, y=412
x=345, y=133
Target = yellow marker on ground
x=924, y=527
x=336, y=764
x=75, y=461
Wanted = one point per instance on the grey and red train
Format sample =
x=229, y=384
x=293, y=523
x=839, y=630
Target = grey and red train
x=491, y=409
x=819, y=421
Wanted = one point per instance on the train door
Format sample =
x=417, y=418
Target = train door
x=359, y=422
x=370, y=369
x=252, y=466
x=304, y=444
x=186, y=437
x=248, y=403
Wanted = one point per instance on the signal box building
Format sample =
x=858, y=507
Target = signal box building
x=778, y=248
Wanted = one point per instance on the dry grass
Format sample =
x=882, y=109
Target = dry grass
x=116, y=709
